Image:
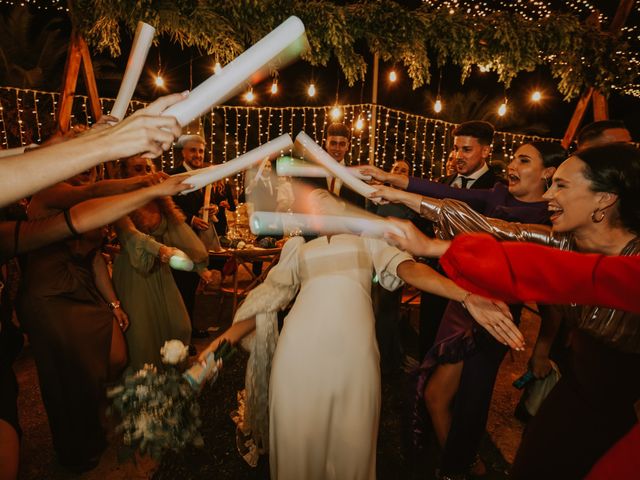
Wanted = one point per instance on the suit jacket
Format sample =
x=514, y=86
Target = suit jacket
x=191, y=203
x=488, y=180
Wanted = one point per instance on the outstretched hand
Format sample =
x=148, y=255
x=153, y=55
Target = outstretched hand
x=494, y=316
x=414, y=241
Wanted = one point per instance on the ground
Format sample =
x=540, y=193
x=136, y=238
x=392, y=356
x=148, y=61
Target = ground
x=219, y=459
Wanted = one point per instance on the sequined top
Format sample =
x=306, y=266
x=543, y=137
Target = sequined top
x=618, y=329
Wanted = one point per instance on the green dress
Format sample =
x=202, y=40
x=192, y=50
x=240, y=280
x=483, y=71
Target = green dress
x=148, y=293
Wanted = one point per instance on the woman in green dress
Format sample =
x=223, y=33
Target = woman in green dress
x=149, y=237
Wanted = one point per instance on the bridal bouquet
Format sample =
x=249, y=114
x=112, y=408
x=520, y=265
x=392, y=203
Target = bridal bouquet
x=158, y=408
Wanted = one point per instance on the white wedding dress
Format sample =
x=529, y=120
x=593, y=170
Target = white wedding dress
x=324, y=391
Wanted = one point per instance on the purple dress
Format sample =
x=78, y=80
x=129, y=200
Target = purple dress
x=459, y=337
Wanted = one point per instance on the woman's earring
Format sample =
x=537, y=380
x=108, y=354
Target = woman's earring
x=594, y=216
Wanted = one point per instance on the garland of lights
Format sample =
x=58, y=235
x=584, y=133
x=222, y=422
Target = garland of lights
x=401, y=136
x=509, y=38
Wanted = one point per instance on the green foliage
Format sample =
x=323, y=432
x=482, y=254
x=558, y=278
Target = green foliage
x=578, y=54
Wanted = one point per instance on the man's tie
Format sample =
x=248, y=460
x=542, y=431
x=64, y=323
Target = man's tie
x=464, y=181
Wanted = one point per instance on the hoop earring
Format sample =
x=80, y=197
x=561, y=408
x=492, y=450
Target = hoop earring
x=595, y=218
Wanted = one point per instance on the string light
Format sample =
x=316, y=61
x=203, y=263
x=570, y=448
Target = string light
x=249, y=96
x=393, y=76
x=437, y=107
x=159, y=80
x=418, y=139
x=217, y=68
x=536, y=96
x=502, y=110
x=311, y=90
x=336, y=113
x=274, y=86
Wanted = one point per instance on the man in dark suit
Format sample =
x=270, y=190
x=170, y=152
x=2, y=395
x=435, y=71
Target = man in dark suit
x=472, y=148
x=338, y=144
x=192, y=148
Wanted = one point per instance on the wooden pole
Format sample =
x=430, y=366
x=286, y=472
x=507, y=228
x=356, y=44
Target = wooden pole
x=71, y=70
x=374, y=110
x=90, y=80
x=600, y=106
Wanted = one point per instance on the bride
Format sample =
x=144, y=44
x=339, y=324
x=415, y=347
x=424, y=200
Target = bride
x=315, y=406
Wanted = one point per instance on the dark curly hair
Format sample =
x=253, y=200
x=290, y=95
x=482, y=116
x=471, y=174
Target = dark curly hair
x=615, y=168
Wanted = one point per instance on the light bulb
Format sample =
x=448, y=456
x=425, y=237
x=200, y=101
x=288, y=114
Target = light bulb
x=536, y=96
x=503, y=109
x=336, y=113
x=217, y=67
x=249, y=96
x=159, y=81
x=437, y=107
x=312, y=90
x=359, y=124
x=393, y=76
x=274, y=87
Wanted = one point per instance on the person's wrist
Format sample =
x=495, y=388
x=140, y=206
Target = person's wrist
x=115, y=305
x=465, y=299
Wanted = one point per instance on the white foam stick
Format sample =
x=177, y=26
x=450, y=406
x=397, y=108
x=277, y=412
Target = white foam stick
x=275, y=51
x=137, y=57
x=181, y=261
x=269, y=150
x=294, y=167
x=260, y=169
x=276, y=223
x=305, y=146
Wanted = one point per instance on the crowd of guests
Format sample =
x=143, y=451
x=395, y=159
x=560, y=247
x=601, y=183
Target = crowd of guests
x=87, y=321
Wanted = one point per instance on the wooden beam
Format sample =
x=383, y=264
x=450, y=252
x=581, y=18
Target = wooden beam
x=579, y=112
x=90, y=79
x=600, y=106
x=70, y=79
x=620, y=18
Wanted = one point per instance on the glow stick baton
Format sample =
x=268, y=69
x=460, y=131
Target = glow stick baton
x=181, y=261
x=137, y=57
x=294, y=167
x=208, y=175
x=275, y=51
x=276, y=223
x=262, y=165
x=305, y=146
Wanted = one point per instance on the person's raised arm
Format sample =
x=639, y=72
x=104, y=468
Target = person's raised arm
x=395, y=179
x=81, y=218
x=492, y=315
x=146, y=132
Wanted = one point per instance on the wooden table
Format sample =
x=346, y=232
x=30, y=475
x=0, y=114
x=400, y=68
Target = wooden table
x=244, y=258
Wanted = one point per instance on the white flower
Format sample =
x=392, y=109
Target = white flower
x=173, y=352
x=241, y=245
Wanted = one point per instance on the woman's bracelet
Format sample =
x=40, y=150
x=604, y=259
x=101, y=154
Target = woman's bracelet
x=464, y=300
x=114, y=305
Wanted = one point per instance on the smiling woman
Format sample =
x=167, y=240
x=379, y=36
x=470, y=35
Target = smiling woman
x=594, y=200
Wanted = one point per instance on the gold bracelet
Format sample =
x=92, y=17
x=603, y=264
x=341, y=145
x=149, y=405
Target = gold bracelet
x=464, y=300
x=114, y=305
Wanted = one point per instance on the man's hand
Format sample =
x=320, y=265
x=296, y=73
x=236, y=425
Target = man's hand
x=414, y=241
x=400, y=181
x=199, y=224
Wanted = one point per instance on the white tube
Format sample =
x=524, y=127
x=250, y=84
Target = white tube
x=270, y=150
x=137, y=57
x=276, y=223
x=275, y=51
x=181, y=261
x=294, y=167
x=305, y=146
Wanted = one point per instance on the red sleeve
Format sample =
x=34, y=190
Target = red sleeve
x=525, y=272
